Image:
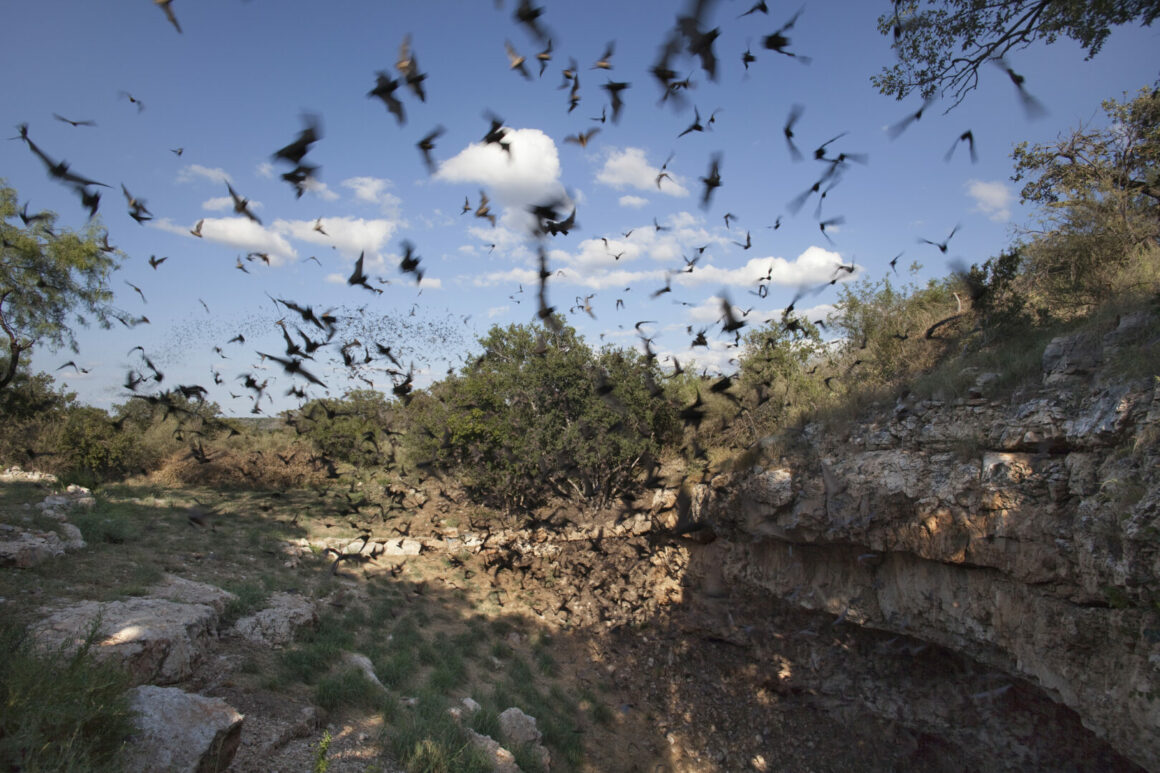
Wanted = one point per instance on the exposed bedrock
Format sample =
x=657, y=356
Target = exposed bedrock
x=1021, y=532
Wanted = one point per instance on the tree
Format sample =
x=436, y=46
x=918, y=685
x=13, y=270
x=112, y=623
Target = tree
x=1098, y=191
x=541, y=415
x=350, y=429
x=941, y=49
x=32, y=407
x=49, y=279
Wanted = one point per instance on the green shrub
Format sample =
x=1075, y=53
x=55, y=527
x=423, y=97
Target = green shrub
x=541, y=415
x=31, y=407
x=351, y=429
x=60, y=711
x=93, y=449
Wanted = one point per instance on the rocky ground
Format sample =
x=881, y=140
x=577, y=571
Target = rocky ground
x=663, y=663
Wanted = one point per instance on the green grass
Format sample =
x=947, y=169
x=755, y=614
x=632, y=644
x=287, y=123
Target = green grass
x=249, y=595
x=346, y=689
x=60, y=711
x=449, y=673
x=315, y=650
x=426, y=739
x=107, y=523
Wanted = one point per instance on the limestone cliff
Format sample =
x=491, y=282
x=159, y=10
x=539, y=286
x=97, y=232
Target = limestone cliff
x=1021, y=531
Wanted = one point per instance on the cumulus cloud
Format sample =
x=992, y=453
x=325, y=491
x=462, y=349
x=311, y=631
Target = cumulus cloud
x=615, y=260
x=349, y=235
x=628, y=168
x=217, y=204
x=244, y=234
x=992, y=199
x=374, y=190
x=528, y=175
x=524, y=276
x=320, y=189
x=193, y=172
x=636, y=202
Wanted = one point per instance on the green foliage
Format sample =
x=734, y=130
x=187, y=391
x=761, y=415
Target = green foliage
x=106, y=524
x=1098, y=191
x=541, y=414
x=92, y=449
x=782, y=363
x=60, y=711
x=350, y=429
x=50, y=279
x=940, y=49
x=321, y=764
x=30, y=409
x=883, y=328
x=997, y=294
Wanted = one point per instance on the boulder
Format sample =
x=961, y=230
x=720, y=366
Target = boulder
x=502, y=760
x=24, y=549
x=174, y=588
x=363, y=664
x=179, y=732
x=157, y=641
x=275, y=625
x=519, y=729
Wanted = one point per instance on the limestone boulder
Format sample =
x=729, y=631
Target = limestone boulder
x=156, y=640
x=275, y=625
x=180, y=732
x=24, y=549
x=174, y=588
x=519, y=729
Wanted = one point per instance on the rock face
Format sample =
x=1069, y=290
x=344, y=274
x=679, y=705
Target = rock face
x=178, y=732
x=1022, y=532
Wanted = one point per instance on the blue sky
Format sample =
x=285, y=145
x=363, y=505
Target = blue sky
x=232, y=87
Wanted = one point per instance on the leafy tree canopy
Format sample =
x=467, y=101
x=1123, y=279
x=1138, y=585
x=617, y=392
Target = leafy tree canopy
x=941, y=48
x=1098, y=192
x=541, y=415
x=50, y=279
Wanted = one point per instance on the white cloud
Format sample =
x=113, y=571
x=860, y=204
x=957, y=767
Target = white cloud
x=193, y=171
x=523, y=276
x=991, y=198
x=244, y=234
x=636, y=202
x=265, y=169
x=217, y=204
x=320, y=189
x=528, y=175
x=496, y=311
x=374, y=190
x=349, y=235
x=629, y=168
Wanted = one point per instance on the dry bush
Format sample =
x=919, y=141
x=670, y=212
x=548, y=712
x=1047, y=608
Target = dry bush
x=274, y=468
